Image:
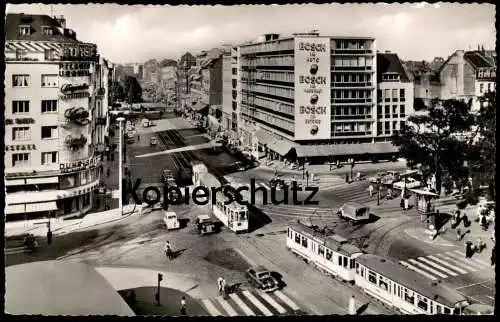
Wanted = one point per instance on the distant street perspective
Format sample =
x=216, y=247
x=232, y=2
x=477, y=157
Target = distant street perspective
x=369, y=174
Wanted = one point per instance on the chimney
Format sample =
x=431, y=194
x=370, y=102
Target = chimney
x=61, y=21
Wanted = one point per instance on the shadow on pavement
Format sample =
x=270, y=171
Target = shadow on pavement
x=256, y=218
x=142, y=301
x=362, y=308
x=279, y=278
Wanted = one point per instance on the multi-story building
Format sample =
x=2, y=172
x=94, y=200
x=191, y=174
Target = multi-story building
x=236, y=97
x=394, y=95
x=227, y=89
x=310, y=96
x=52, y=87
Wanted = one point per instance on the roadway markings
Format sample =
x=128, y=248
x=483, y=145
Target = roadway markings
x=443, y=265
x=250, y=303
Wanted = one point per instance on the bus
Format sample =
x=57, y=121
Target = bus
x=234, y=216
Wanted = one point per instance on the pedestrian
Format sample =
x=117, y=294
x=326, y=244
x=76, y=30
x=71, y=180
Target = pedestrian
x=492, y=258
x=352, y=306
x=402, y=203
x=407, y=204
x=219, y=284
x=468, y=249
x=479, y=211
x=370, y=190
x=223, y=287
x=183, y=305
x=389, y=193
x=484, y=223
x=459, y=234
x=480, y=245
x=108, y=172
x=168, y=250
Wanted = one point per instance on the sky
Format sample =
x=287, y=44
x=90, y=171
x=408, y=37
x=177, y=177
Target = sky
x=137, y=33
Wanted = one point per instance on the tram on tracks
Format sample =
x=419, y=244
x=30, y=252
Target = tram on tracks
x=234, y=216
x=379, y=277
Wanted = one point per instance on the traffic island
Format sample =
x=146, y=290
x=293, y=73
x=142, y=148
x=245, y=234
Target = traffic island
x=142, y=301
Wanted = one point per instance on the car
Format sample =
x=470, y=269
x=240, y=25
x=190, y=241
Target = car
x=410, y=184
x=170, y=220
x=377, y=177
x=205, y=224
x=153, y=141
x=261, y=278
x=166, y=174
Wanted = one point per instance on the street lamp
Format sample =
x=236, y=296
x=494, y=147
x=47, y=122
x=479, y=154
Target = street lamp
x=120, y=165
x=378, y=193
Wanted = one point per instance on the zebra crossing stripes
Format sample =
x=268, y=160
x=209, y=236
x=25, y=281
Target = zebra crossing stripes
x=250, y=303
x=444, y=265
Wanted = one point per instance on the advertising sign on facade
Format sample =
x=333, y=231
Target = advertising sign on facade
x=79, y=165
x=312, y=88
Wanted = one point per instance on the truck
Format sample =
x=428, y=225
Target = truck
x=354, y=212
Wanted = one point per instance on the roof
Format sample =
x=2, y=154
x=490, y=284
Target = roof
x=60, y=288
x=209, y=180
x=334, y=242
x=14, y=20
x=345, y=149
x=199, y=106
x=281, y=147
x=354, y=205
x=478, y=60
x=390, y=63
x=411, y=280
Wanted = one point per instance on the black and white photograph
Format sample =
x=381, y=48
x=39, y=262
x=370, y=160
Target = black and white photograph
x=249, y=160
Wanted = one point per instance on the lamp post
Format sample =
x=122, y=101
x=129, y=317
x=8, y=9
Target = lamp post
x=120, y=165
x=378, y=193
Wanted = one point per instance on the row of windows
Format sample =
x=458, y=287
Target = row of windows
x=353, y=110
x=491, y=87
x=484, y=73
x=25, y=30
x=352, y=93
x=386, y=94
x=352, y=127
x=352, y=78
x=284, y=60
x=391, y=77
x=23, y=159
x=385, y=127
x=275, y=106
x=49, y=54
x=320, y=250
x=273, y=90
x=353, y=61
x=270, y=119
x=352, y=44
x=23, y=107
x=232, y=214
x=23, y=133
x=276, y=76
x=288, y=44
x=387, y=111
x=25, y=80
x=402, y=292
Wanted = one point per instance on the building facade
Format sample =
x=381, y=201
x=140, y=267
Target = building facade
x=310, y=96
x=227, y=92
x=54, y=99
x=394, y=96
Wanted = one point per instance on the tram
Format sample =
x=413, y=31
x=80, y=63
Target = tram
x=234, y=216
x=385, y=280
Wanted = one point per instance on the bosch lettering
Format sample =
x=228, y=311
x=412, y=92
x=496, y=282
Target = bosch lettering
x=313, y=80
x=312, y=47
x=313, y=110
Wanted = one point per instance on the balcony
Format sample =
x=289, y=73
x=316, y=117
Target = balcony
x=350, y=68
x=351, y=51
x=352, y=85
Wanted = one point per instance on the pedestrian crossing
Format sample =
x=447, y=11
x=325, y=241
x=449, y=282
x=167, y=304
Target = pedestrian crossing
x=251, y=303
x=445, y=265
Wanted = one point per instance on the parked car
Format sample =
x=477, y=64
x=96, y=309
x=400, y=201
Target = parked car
x=354, y=212
x=410, y=184
x=205, y=225
x=377, y=177
x=261, y=278
x=153, y=141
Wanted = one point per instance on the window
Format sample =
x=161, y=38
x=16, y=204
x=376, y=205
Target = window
x=409, y=296
x=50, y=54
x=357, y=268
x=387, y=95
x=422, y=303
x=49, y=157
x=387, y=128
x=20, y=159
x=49, y=132
x=446, y=310
x=383, y=283
x=49, y=106
x=24, y=30
x=402, y=95
x=379, y=110
x=402, y=111
x=387, y=111
x=489, y=87
x=329, y=254
x=304, y=241
x=394, y=111
x=372, y=277
x=394, y=126
x=379, y=95
x=481, y=88
x=345, y=262
x=402, y=125
x=321, y=250
x=351, y=263
x=21, y=54
x=20, y=107
x=21, y=133
x=47, y=30
x=362, y=271
x=340, y=260
x=49, y=80
x=379, y=128
x=20, y=80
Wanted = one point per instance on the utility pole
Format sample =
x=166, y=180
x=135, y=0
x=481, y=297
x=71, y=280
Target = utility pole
x=120, y=165
x=378, y=193
x=157, y=295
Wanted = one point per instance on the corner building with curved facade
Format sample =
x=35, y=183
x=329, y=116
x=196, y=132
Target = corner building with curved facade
x=56, y=101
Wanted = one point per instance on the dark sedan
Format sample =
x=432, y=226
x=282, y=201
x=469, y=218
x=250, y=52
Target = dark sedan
x=261, y=278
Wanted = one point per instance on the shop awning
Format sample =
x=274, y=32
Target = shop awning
x=281, y=147
x=345, y=149
x=41, y=206
x=424, y=192
x=199, y=107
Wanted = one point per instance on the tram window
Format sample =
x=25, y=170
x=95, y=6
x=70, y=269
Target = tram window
x=351, y=263
x=372, y=277
x=362, y=271
x=345, y=262
x=456, y=311
x=409, y=296
x=399, y=291
x=439, y=309
x=304, y=241
x=431, y=306
x=329, y=254
x=357, y=268
x=422, y=303
x=340, y=260
x=321, y=251
x=243, y=215
x=289, y=233
x=382, y=283
x=297, y=238
x=446, y=310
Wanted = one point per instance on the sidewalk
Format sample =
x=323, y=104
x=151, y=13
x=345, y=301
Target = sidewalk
x=59, y=226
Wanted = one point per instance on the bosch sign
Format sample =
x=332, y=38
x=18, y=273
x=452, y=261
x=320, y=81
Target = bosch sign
x=311, y=46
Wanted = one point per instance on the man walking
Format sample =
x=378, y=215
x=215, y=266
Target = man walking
x=168, y=250
x=370, y=190
x=406, y=204
x=183, y=305
x=219, y=284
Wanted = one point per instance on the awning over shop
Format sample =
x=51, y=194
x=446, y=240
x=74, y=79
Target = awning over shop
x=424, y=192
x=345, y=149
x=281, y=147
x=41, y=206
x=200, y=107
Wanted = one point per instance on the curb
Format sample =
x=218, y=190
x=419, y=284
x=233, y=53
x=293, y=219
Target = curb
x=107, y=222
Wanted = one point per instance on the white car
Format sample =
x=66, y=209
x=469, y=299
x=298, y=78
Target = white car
x=410, y=184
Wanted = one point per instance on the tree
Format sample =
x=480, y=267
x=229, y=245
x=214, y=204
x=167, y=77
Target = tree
x=133, y=90
x=117, y=92
x=435, y=140
x=482, y=155
x=188, y=59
